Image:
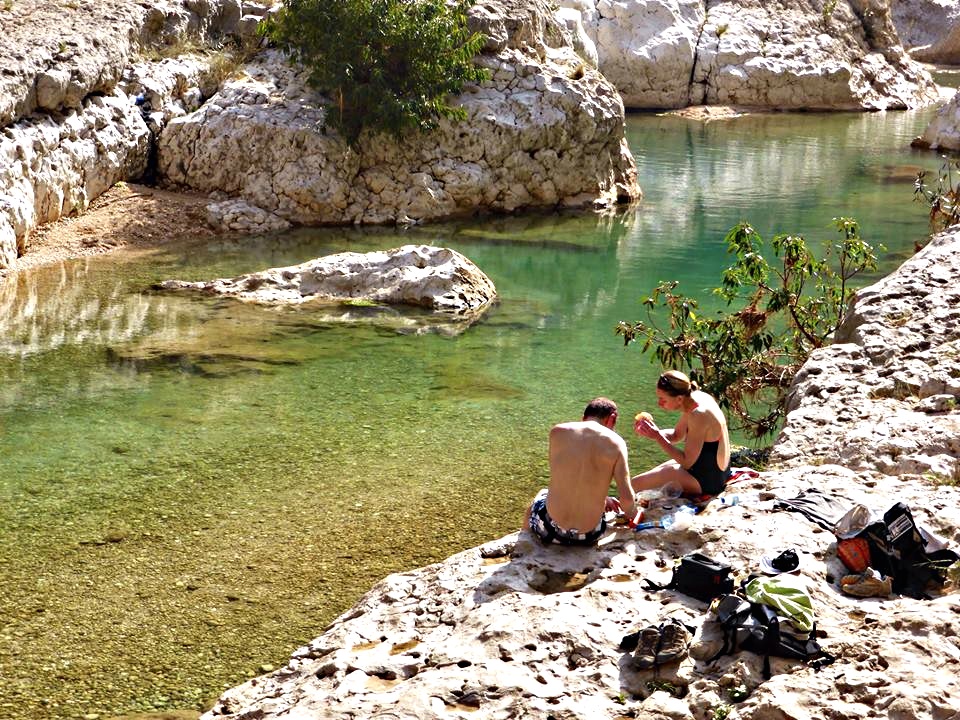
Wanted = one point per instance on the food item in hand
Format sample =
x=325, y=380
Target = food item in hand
x=643, y=416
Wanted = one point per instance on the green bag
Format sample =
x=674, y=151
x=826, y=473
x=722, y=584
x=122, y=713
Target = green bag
x=790, y=602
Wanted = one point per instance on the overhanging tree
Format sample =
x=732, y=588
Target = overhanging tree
x=387, y=65
x=779, y=313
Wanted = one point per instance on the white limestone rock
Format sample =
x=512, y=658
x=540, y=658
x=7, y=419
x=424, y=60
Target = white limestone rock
x=241, y=217
x=929, y=29
x=674, y=53
x=878, y=398
x=56, y=165
x=78, y=110
x=419, y=275
x=545, y=131
x=535, y=633
x=943, y=132
x=582, y=42
x=647, y=48
x=50, y=64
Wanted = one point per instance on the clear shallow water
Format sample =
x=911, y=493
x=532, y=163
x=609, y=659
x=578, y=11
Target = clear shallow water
x=192, y=488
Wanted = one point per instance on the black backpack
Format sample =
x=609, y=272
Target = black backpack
x=898, y=550
x=699, y=577
x=759, y=629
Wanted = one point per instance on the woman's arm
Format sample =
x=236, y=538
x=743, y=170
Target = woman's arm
x=664, y=438
x=679, y=432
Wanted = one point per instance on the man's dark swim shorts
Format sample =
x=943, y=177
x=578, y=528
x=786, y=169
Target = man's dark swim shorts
x=543, y=526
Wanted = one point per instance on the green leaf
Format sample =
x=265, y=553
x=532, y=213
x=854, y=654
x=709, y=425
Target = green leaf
x=386, y=65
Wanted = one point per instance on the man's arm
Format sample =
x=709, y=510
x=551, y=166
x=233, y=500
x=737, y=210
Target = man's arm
x=621, y=474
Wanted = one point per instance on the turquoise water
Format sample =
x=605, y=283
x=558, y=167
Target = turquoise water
x=192, y=488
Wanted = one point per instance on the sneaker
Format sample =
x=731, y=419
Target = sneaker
x=674, y=641
x=869, y=583
x=645, y=656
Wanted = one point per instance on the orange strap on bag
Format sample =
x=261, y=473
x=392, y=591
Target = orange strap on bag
x=854, y=553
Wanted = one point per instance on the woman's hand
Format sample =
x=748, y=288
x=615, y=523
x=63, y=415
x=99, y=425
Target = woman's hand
x=646, y=428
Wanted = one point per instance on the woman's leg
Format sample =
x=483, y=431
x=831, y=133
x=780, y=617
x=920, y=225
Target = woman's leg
x=666, y=473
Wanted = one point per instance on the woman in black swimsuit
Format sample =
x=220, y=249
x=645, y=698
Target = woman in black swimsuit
x=702, y=465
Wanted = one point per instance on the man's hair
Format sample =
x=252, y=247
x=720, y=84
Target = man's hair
x=600, y=408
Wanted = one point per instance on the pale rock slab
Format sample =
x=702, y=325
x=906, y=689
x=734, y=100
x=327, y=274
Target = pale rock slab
x=880, y=398
x=545, y=131
x=535, y=633
x=421, y=275
x=943, y=132
x=802, y=55
x=929, y=29
x=49, y=64
x=648, y=49
x=240, y=217
x=79, y=109
x=585, y=46
x=55, y=166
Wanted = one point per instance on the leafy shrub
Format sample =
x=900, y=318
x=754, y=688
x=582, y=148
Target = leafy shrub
x=747, y=357
x=387, y=65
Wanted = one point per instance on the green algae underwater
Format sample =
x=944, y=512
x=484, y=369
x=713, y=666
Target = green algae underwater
x=192, y=488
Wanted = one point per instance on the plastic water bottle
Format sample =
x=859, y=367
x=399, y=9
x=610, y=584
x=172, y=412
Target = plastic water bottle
x=671, y=491
x=729, y=500
x=680, y=520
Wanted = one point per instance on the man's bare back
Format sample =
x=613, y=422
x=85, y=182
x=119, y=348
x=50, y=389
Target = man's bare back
x=584, y=457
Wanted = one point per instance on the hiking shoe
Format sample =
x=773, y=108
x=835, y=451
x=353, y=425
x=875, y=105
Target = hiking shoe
x=867, y=584
x=674, y=641
x=645, y=656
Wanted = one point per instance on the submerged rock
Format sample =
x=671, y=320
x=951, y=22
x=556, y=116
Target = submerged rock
x=420, y=275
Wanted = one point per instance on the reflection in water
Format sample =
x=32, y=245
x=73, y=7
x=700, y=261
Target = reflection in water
x=766, y=169
x=47, y=308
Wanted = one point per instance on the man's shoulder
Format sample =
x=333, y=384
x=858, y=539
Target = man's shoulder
x=587, y=429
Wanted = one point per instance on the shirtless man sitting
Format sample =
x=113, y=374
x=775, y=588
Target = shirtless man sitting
x=584, y=457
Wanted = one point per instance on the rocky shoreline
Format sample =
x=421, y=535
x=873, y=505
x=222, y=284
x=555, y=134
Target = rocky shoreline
x=535, y=633
x=167, y=91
